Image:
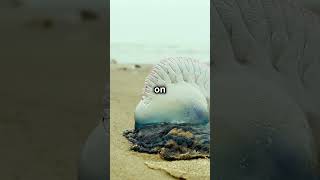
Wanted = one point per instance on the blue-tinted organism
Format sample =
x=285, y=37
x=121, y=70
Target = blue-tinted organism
x=172, y=118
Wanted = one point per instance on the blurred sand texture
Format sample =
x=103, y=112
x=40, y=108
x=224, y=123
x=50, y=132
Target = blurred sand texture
x=52, y=76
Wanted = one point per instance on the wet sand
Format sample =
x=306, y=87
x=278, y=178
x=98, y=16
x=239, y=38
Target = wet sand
x=126, y=85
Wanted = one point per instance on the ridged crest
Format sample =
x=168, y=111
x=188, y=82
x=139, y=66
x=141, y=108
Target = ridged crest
x=174, y=70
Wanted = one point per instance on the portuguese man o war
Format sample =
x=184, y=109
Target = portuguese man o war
x=172, y=118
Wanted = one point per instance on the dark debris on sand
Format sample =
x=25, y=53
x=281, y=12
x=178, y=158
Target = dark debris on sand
x=171, y=141
x=88, y=15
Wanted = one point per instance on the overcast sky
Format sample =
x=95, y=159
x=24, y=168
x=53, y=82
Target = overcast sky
x=160, y=21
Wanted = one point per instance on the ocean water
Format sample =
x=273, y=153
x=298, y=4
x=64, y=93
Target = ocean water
x=144, y=53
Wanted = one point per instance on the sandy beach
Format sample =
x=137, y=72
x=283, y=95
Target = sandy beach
x=126, y=84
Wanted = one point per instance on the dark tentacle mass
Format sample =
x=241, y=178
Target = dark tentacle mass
x=171, y=141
